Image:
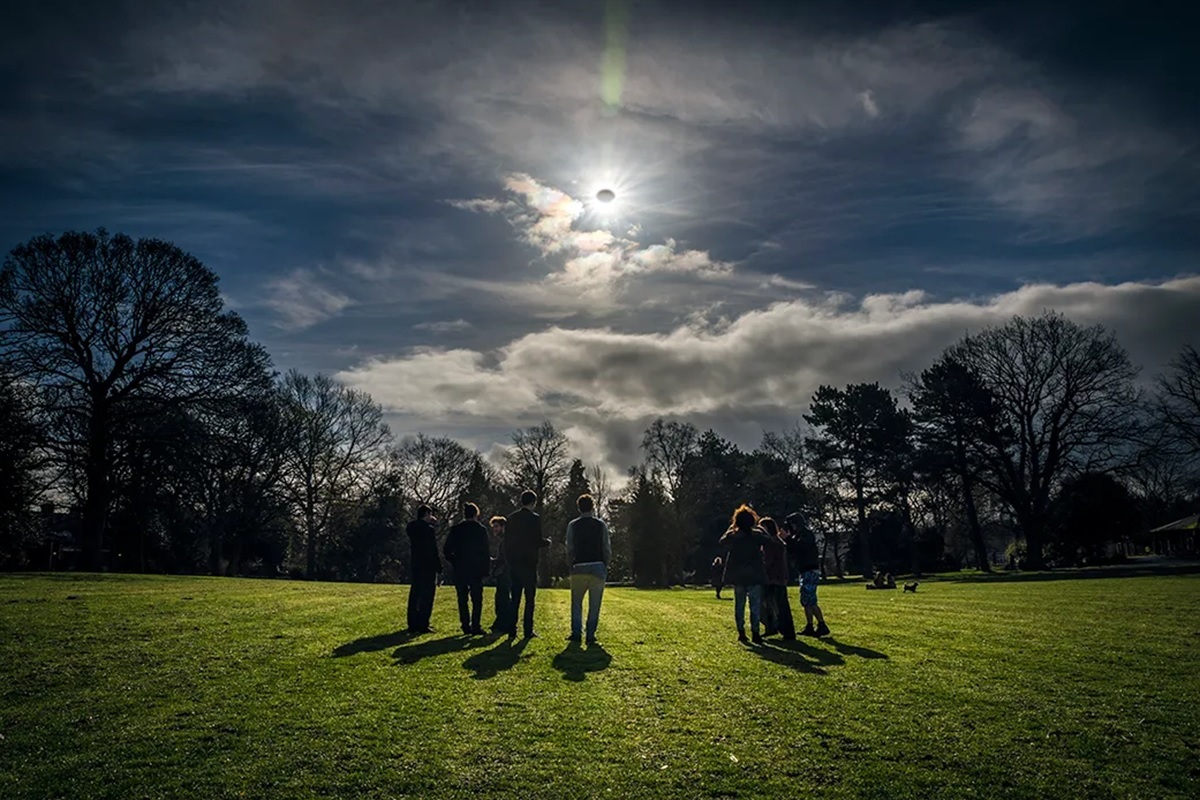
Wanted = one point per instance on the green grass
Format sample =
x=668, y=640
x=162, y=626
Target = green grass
x=130, y=687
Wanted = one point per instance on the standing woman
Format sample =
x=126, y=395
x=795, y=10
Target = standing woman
x=776, y=608
x=744, y=568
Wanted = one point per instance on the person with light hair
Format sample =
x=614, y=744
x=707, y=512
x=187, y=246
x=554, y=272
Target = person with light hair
x=744, y=569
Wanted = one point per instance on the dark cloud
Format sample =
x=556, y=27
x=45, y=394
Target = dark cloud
x=388, y=187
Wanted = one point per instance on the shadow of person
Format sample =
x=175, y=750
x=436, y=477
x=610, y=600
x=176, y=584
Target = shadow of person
x=854, y=650
x=575, y=663
x=436, y=647
x=490, y=663
x=808, y=650
x=370, y=644
x=799, y=656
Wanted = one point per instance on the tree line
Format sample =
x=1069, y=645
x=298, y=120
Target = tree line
x=142, y=430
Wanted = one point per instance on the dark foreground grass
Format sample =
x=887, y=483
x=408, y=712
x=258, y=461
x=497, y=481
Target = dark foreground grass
x=131, y=687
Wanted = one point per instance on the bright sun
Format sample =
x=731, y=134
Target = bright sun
x=605, y=199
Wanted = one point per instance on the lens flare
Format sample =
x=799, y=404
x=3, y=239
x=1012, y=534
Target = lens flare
x=606, y=195
x=612, y=72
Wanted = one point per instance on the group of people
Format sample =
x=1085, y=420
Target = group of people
x=507, y=552
x=755, y=562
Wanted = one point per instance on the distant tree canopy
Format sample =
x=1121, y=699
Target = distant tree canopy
x=158, y=438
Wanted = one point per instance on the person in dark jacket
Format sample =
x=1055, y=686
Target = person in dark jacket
x=744, y=569
x=718, y=575
x=425, y=567
x=466, y=549
x=499, y=570
x=522, y=541
x=777, y=611
x=809, y=563
x=588, y=552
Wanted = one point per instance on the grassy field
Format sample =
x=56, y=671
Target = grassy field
x=131, y=687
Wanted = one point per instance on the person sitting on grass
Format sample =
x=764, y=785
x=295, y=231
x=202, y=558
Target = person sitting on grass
x=466, y=549
x=744, y=569
x=808, y=560
x=777, y=611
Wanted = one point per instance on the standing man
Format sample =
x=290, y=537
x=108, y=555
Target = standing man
x=808, y=560
x=500, y=573
x=588, y=551
x=522, y=541
x=425, y=567
x=466, y=549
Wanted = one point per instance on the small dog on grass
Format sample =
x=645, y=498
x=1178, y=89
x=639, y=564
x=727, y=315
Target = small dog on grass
x=911, y=586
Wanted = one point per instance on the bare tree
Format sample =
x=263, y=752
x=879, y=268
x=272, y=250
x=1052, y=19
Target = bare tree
x=538, y=460
x=111, y=328
x=601, y=484
x=788, y=447
x=1064, y=394
x=668, y=445
x=434, y=470
x=334, y=434
x=1179, y=399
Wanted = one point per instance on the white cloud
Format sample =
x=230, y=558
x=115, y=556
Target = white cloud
x=301, y=299
x=592, y=270
x=445, y=326
x=868, y=103
x=756, y=371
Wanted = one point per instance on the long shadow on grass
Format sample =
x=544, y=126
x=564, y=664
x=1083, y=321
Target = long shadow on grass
x=854, y=650
x=490, y=663
x=370, y=644
x=575, y=662
x=798, y=655
x=437, y=647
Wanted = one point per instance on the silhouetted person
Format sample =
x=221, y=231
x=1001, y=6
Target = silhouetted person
x=777, y=610
x=499, y=569
x=522, y=541
x=467, y=550
x=744, y=569
x=424, y=568
x=588, y=551
x=809, y=562
x=718, y=575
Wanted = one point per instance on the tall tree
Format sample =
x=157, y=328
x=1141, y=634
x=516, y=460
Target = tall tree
x=20, y=462
x=954, y=411
x=1179, y=399
x=577, y=484
x=334, y=433
x=1090, y=511
x=646, y=520
x=538, y=460
x=601, y=487
x=110, y=328
x=668, y=446
x=856, y=429
x=435, y=470
x=1064, y=394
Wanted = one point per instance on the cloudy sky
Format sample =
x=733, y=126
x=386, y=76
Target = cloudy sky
x=403, y=193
